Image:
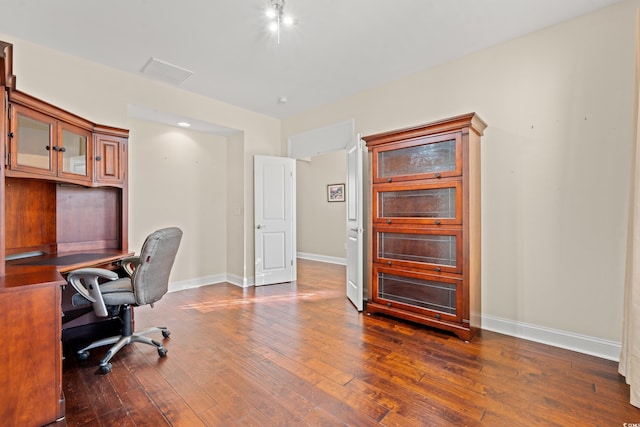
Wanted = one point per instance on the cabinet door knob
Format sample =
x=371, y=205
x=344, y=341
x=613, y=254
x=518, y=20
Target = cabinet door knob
x=98, y=158
x=388, y=221
x=388, y=262
x=438, y=269
x=388, y=179
x=10, y=134
x=48, y=148
x=438, y=175
x=437, y=315
x=437, y=222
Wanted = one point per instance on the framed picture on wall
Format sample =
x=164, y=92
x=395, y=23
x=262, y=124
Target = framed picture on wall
x=335, y=193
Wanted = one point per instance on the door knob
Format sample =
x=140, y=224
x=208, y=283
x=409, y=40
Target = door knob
x=260, y=226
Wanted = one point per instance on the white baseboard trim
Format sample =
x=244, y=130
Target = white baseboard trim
x=322, y=258
x=604, y=349
x=210, y=280
x=242, y=282
x=196, y=283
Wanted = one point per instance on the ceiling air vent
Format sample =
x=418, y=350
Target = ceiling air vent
x=166, y=72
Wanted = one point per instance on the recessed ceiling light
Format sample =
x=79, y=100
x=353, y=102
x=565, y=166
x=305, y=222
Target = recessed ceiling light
x=283, y=100
x=184, y=124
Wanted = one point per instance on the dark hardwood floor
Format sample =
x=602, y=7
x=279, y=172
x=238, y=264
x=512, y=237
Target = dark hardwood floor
x=295, y=355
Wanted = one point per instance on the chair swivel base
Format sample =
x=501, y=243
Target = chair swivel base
x=127, y=337
x=119, y=342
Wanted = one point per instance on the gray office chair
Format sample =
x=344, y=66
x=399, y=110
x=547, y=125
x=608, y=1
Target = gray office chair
x=112, y=295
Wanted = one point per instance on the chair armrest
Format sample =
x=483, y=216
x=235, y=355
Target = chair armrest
x=85, y=282
x=129, y=264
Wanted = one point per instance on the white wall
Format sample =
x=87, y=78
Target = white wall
x=236, y=231
x=555, y=169
x=180, y=179
x=321, y=228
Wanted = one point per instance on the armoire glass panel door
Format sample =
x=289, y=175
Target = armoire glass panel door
x=428, y=294
x=434, y=295
x=438, y=250
x=427, y=204
x=425, y=158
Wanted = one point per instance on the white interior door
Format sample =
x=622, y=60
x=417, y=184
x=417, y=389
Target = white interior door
x=274, y=219
x=354, y=223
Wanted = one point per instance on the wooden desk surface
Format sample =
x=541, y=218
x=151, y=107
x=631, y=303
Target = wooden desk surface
x=48, y=268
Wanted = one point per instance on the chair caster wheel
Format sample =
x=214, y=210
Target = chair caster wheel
x=166, y=333
x=105, y=369
x=162, y=352
x=83, y=355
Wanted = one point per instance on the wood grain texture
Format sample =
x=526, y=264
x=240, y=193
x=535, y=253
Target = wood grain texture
x=299, y=354
x=30, y=363
x=88, y=218
x=34, y=228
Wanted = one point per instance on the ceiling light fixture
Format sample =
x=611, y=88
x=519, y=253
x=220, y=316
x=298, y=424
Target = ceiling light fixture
x=275, y=13
x=184, y=124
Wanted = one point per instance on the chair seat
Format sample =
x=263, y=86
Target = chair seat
x=118, y=292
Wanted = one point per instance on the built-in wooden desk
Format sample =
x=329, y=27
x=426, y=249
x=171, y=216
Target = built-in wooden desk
x=64, y=196
x=31, y=314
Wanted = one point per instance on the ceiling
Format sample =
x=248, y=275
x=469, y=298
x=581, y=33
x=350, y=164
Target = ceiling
x=337, y=48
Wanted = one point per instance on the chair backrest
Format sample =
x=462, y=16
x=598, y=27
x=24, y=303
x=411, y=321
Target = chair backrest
x=150, y=279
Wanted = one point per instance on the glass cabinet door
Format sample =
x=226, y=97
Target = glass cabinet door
x=418, y=203
x=32, y=142
x=421, y=158
x=43, y=145
x=432, y=249
x=438, y=296
x=74, y=152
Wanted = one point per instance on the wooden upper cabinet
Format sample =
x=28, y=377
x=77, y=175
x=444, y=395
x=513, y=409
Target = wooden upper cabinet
x=109, y=159
x=42, y=145
x=49, y=143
